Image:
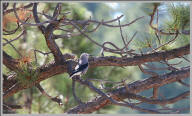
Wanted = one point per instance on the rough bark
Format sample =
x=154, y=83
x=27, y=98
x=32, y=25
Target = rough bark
x=54, y=69
x=135, y=87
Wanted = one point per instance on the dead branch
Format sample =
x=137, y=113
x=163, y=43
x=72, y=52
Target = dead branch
x=139, y=59
x=183, y=83
x=29, y=24
x=111, y=99
x=134, y=87
x=158, y=101
x=172, y=40
x=55, y=99
x=105, y=22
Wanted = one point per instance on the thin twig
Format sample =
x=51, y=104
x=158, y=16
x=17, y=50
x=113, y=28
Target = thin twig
x=8, y=42
x=130, y=40
x=172, y=40
x=183, y=83
x=122, y=35
x=12, y=31
x=55, y=99
x=44, y=53
x=12, y=46
x=147, y=71
x=29, y=24
x=11, y=10
x=105, y=22
x=90, y=85
x=74, y=95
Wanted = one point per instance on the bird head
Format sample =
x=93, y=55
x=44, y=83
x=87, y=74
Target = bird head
x=84, y=57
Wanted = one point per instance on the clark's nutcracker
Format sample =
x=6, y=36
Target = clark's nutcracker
x=82, y=66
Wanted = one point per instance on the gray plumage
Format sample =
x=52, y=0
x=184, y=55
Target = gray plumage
x=82, y=66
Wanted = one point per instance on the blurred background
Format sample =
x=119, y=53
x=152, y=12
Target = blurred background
x=60, y=85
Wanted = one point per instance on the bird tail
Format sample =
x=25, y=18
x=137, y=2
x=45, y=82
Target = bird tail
x=74, y=73
x=71, y=74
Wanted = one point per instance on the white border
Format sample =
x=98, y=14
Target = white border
x=98, y=2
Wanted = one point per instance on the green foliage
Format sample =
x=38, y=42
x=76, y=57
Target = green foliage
x=180, y=17
x=27, y=74
x=178, y=20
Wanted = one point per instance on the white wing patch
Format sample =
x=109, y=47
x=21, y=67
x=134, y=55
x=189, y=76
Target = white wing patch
x=78, y=73
x=76, y=67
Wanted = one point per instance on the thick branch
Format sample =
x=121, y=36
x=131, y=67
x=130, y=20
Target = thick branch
x=48, y=33
x=140, y=59
x=135, y=87
x=52, y=44
x=158, y=101
x=36, y=18
x=9, y=62
x=54, y=69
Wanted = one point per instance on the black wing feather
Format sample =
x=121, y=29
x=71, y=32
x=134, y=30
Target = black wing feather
x=81, y=67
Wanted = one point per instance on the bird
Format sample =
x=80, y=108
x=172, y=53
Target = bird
x=82, y=66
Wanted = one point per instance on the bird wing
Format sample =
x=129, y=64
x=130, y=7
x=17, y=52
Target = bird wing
x=82, y=67
x=76, y=67
x=79, y=69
